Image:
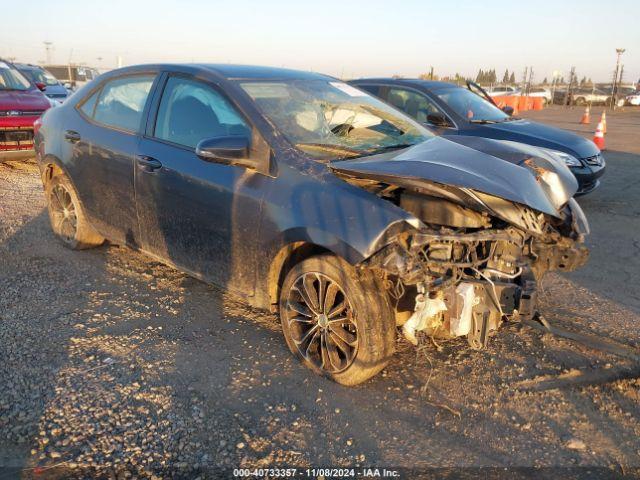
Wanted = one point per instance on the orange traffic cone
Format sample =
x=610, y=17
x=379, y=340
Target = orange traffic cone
x=586, y=119
x=598, y=138
x=603, y=121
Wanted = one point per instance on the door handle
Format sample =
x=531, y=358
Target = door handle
x=148, y=164
x=72, y=136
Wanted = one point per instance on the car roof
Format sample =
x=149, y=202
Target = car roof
x=233, y=72
x=28, y=66
x=409, y=82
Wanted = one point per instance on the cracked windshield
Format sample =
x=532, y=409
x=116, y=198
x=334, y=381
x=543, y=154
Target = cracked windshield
x=330, y=120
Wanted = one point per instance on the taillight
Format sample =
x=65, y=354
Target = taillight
x=36, y=126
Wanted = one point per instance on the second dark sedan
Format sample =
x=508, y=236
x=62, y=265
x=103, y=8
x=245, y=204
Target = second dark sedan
x=450, y=110
x=305, y=195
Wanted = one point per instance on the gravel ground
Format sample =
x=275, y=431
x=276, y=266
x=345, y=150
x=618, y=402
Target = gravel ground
x=113, y=364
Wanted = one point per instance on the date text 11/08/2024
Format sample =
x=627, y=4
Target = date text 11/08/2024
x=315, y=473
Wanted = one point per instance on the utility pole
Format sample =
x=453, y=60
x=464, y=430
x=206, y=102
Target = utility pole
x=554, y=81
x=530, y=79
x=47, y=48
x=568, y=100
x=431, y=73
x=524, y=81
x=614, y=87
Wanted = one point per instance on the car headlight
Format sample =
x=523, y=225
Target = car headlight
x=569, y=160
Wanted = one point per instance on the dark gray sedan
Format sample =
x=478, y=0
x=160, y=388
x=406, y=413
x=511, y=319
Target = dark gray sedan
x=307, y=196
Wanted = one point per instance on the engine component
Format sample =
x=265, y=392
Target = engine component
x=426, y=315
x=461, y=315
x=437, y=211
x=477, y=337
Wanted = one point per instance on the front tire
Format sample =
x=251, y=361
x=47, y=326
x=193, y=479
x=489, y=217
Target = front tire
x=336, y=320
x=68, y=221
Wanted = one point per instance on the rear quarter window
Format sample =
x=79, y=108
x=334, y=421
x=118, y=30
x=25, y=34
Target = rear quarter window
x=121, y=102
x=89, y=104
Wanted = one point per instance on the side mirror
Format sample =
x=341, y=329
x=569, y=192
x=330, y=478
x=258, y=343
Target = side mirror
x=230, y=150
x=437, y=120
x=41, y=86
x=508, y=109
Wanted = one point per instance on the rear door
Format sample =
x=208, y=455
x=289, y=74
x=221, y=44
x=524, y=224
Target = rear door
x=104, y=147
x=198, y=215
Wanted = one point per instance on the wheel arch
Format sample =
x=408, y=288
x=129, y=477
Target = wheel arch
x=284, y=260
x=51, y=166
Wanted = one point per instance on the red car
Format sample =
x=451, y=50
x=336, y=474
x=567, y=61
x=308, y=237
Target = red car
x=21, y=104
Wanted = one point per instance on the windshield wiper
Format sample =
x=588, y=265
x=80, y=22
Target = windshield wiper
x=483, y=121
x=386, y=148
x=509, y=119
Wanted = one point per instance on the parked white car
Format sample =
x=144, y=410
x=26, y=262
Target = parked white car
x=541, y=92
x=500, y=91
x=633, y=99
x=582, y=96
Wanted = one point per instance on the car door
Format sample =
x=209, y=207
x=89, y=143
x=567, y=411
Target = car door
x=104, y=144
x=199, y=215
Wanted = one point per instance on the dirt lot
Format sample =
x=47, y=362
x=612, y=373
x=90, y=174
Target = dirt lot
x=111, y=362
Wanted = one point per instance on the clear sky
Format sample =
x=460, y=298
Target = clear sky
x=348, y=38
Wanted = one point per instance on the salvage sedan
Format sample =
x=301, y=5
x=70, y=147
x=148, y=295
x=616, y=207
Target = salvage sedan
x=310, y=197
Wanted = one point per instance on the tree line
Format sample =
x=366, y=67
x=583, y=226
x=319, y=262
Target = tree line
x=488, y=77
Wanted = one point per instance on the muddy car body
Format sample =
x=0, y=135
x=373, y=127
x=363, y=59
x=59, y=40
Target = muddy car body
x=310, y=197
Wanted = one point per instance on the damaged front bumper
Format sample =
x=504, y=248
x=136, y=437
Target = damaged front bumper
x=449, y=283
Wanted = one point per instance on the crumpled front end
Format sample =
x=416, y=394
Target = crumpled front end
x=485, y=229
x=465, y=271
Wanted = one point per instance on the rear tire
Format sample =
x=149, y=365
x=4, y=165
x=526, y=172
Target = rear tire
x=337, y=321
x=68, y=221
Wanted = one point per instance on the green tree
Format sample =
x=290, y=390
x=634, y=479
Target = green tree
x=505, y=77
x=512, y=78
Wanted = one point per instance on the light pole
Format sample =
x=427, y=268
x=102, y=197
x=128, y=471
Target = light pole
x=47, y=47
x=614, y=86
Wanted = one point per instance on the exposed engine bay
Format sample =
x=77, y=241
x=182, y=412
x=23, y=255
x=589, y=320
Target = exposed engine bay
x=474, y=260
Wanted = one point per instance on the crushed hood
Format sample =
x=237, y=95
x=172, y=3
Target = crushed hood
x=511, y=171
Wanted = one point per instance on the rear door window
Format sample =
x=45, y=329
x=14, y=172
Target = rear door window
x=121, y=102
